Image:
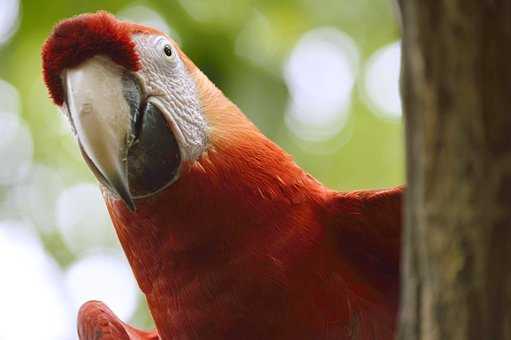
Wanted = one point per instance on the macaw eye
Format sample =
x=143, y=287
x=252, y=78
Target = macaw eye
x=168, y=50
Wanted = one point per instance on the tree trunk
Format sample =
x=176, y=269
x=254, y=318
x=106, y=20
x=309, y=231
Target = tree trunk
x=457, y=241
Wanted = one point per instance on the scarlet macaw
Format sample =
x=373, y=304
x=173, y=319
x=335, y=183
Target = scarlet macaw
x=227, y=237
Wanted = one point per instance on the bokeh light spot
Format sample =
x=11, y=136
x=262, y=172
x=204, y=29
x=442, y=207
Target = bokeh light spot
x=254, y=42
x=106, y=278
x=16, y=149
x=32, y=299
x=9, y=16
x=35, y=198
x=83, y=220
x=320, y=74
x=219, y=12
x=381, y=83
x=9, y=98
x=147, y=16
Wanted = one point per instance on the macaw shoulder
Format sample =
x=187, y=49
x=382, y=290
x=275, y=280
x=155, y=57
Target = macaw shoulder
x=366, y=226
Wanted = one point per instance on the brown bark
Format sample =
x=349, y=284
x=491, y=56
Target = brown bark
x=457, y=97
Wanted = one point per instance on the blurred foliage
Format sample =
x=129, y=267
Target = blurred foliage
x=367, y=153
x=372, y=157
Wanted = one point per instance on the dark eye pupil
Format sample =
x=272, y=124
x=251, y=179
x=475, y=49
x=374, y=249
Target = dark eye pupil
x=167, y=50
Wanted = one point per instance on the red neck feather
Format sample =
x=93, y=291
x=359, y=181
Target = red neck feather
x=216, y=231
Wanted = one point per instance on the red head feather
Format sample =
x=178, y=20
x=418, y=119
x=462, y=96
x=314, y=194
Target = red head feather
x=77, y=39
x=245, y=244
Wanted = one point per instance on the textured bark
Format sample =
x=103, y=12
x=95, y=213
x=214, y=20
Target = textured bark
x=457, y=98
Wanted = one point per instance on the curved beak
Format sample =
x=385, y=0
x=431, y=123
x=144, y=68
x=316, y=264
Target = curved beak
x=103, y=102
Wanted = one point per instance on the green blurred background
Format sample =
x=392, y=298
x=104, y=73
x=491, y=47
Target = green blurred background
x=319, y=77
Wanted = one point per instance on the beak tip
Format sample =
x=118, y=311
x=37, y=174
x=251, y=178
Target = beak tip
x=126, y=197
x=131, y=205
x=121, y=190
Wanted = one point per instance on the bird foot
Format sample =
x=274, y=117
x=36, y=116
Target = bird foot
x=97, y=322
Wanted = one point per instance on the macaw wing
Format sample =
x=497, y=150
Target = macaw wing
x=367, y=229
x=97, y=322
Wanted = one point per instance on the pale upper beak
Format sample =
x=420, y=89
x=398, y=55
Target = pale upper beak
x=101, y=116
x=123, y=135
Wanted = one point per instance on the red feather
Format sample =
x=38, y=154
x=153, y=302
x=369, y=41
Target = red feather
x=248, y=246
x=96, y=321
x=77, y=39
x=245, y=244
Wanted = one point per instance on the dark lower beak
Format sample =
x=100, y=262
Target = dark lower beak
x=102, y=118
x=124, y=137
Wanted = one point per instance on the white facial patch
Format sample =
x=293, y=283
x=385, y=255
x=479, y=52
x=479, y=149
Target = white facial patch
x=169, y=86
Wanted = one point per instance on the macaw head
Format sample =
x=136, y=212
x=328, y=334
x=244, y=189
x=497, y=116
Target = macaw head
x=133, y=100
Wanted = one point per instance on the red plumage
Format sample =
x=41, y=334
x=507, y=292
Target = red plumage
x=245, y=244
x=75, y=40
x=248, y=246
x=97, y=321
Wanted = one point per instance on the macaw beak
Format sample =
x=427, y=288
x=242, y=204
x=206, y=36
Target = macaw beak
x=123, y=135
x=101, y=101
